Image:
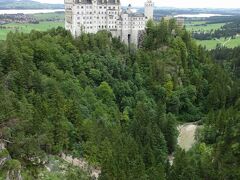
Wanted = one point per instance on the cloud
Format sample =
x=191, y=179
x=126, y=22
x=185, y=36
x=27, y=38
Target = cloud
x=177, y=3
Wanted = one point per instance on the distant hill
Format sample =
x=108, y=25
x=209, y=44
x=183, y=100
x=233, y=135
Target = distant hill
x=27, y=4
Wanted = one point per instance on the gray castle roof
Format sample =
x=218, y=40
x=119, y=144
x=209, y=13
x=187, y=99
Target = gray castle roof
x=99, y=1
x=136, y=15
x=108, y=1
x=131, y=14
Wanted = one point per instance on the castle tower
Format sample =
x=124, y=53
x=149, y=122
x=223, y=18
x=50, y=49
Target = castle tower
x=69, y=16
x=149, y=9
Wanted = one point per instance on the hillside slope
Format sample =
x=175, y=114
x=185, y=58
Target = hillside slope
x=118, y=107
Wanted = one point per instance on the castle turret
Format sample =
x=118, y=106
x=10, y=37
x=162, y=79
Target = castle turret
x=129, y=9
x=69, y=16
x=149, y=9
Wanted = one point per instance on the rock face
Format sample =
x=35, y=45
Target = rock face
x=14, y=175
x=12, y=167
x=2, y=146
x=4, y=156
x=83, y=165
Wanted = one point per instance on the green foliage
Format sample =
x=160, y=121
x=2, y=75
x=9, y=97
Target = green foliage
x=13, y=165
x=4, y=153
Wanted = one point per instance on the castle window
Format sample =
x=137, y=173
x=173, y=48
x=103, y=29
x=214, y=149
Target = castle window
x=82, y=7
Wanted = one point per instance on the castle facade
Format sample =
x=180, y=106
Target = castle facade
x=91, y=16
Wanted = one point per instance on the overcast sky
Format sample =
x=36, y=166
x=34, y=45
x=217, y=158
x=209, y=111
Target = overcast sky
x=177, y=3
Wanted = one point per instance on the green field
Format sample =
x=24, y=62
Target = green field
x=195, y=26
x=46, y=16
x=211, y=44
x=202, y=26
x=26, y=28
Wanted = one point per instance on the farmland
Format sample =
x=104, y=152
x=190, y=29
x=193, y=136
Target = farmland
x=211, y=44
x=46, y=21
x=26, y=28
x=57, y=16
x=203, y=26
x=206, y=27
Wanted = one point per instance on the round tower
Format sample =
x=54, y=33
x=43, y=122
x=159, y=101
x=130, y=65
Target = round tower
x=149, y=9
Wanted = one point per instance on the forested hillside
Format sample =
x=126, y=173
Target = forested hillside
x=27, y=4
x=118, y=107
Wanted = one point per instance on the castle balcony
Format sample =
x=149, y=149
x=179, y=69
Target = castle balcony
x=68, y=9
x=113, y=29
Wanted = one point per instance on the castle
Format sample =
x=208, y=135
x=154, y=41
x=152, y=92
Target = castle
x=91, y=16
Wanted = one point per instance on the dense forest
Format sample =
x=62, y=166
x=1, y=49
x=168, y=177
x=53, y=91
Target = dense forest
x=117, y=106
